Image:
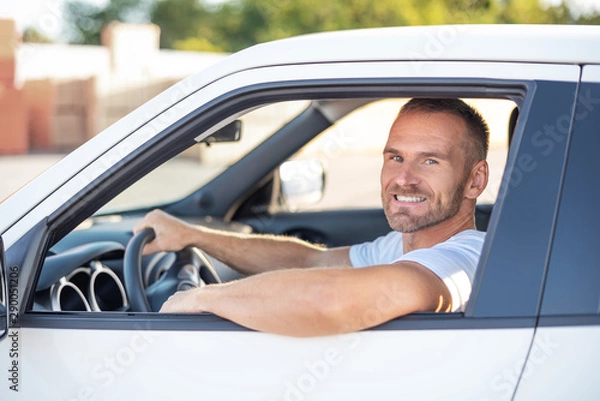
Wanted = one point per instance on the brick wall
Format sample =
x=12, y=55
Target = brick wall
x=13, y=109
x=71, y=93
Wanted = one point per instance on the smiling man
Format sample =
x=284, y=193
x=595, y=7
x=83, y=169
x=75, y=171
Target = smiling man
x=434, y=169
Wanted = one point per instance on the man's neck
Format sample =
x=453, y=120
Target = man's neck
x=430, y=236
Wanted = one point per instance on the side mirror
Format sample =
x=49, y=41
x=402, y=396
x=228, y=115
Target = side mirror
x=302, y=182
x=3, y=294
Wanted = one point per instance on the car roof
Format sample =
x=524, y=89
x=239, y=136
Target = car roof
x=572, y=44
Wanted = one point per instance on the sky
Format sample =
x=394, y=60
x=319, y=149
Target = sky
x=46, y=16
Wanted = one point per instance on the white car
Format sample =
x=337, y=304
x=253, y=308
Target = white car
x=291, y=128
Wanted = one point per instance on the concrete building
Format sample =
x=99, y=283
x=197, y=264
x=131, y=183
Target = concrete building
x=53, y=97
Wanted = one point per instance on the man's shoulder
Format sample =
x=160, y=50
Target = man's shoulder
x=467, y=240
x=382, y=250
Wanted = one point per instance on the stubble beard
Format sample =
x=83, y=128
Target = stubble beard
x=403, y=222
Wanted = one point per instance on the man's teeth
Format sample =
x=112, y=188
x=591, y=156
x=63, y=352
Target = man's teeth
x=414, y=199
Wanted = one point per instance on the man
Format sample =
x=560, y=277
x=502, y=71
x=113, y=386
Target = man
x=434, y=169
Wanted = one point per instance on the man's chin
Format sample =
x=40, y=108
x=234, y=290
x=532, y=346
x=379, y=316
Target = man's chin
x=404, y=226
x=406, y=229
x=409, y=226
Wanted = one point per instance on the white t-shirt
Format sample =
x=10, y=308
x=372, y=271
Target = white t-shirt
x=454, y=260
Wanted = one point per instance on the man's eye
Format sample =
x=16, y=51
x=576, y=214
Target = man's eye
x=397, y=158
x=430, y=162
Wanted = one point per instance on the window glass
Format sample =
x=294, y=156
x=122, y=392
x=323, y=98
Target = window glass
x=350, y=152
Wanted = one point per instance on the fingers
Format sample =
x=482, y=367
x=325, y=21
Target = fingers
x=149, y=220
x=170, y=305
x=182, y=302
x=170, y=232
x=153, y=220
x=150, y=248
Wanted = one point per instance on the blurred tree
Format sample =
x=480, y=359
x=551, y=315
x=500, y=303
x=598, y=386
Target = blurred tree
x=589, y=18
x=196, y=44
x=239, y=24
x=33, y=35
x=184, y=24
x=533, y=12
x=85, y=21
x=231, y=25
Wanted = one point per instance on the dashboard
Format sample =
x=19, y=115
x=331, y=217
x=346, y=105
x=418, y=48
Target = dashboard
x=85, y=271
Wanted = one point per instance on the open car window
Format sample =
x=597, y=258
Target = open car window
x=86, y=270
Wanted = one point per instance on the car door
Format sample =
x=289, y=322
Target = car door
x=565, y=357
x=478, y=354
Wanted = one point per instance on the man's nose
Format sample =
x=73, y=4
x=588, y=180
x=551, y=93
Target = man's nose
x=406, y=175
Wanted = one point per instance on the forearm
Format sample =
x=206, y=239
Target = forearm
x=255, y=253
x=247, y=253
x=312, y=302
x=267, y=302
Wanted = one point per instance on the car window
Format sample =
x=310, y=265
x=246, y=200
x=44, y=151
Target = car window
x=193, y=168
x=350, y=153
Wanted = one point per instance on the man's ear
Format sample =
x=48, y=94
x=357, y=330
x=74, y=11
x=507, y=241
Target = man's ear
x=478, y=179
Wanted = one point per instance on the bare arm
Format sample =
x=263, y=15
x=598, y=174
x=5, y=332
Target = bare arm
x=311, y=302
x=249, y=254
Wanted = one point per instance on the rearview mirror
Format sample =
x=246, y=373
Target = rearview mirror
x=302, y=182
x=232, y=132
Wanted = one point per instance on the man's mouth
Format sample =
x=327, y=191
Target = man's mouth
x=409, y=199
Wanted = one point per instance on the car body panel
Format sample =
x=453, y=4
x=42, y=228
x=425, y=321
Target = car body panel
x=590, y=73
x=146, y=364
x=562, y=364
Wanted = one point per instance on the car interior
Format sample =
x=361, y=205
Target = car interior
x=308, y=169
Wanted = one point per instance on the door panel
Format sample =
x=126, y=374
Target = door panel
x=563, y=365
x=331, y=228
x=384, y=365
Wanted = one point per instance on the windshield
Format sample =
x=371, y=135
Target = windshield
x=193, y=168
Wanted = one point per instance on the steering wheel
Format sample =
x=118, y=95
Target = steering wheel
x=190, y=269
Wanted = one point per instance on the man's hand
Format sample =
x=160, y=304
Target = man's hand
x=183, y=302
x=172, y=234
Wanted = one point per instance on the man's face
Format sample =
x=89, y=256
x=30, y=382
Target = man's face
x=424, y=170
